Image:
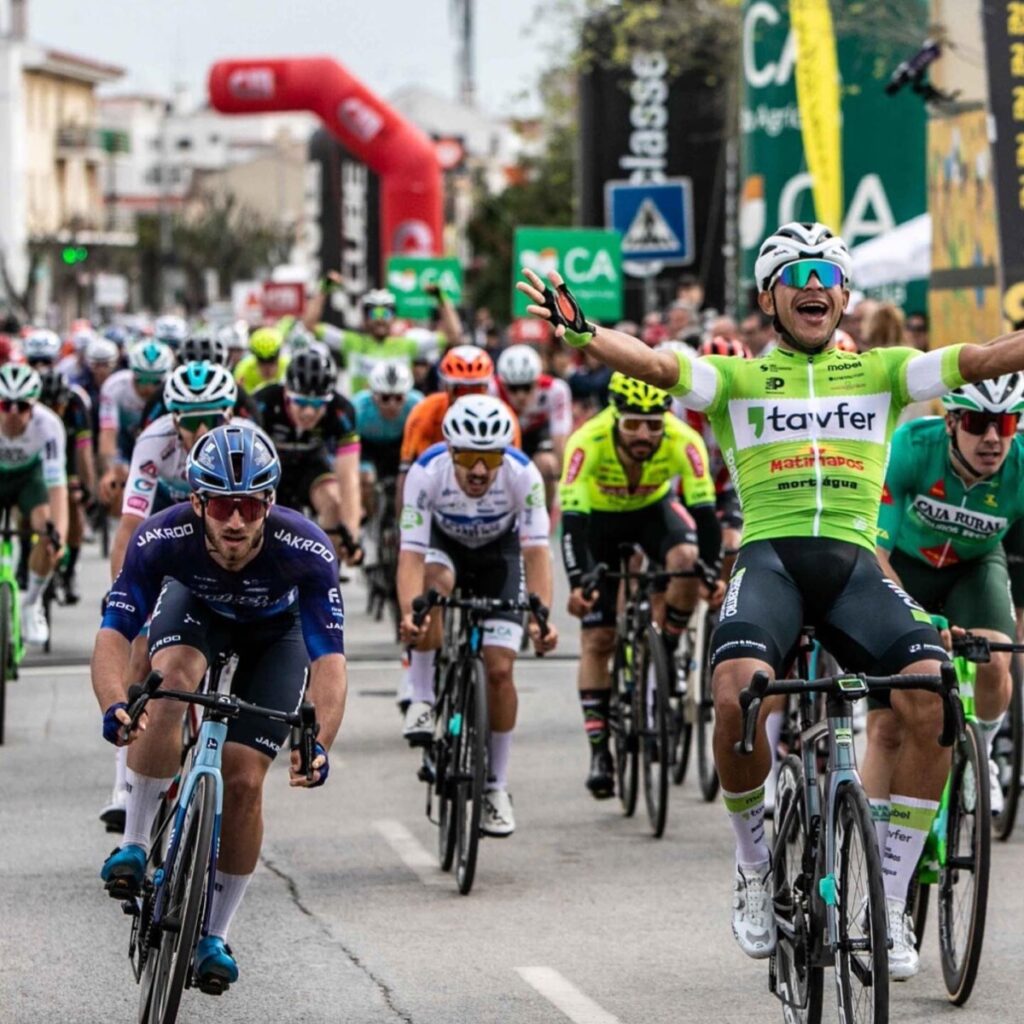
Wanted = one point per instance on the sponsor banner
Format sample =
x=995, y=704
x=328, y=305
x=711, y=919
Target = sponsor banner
x=409, y=277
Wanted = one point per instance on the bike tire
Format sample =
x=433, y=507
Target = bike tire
x=472, y=772
x=447, y=745
x=184, y=904
x=1009, y=754
x=5, y=652
x=684, y=705
x=968, y=860
x=918, y=899
x=622, y=722
x=799, y=982
x=656, y=731
x=862, y=960
x=707, y=773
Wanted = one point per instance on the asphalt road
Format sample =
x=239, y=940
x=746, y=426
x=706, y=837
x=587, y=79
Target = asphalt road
x=579, y=916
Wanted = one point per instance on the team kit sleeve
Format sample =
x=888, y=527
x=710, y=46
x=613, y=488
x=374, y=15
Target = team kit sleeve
x=346, y=436
x=141, y=486
x=109, y=418
x=411, y=436
x=534, y=522
x=54, y=454
x=899, y=482
x=561, y=408
x=321, y=608
x=918, y=376
x=134, y=593
x=701, y=385
x=414, y=523
x=695, y=482
x=574, y=497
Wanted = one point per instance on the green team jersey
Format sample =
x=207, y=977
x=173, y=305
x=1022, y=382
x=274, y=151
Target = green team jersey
x=361, y=352
x=805, y=437
x=929, y=513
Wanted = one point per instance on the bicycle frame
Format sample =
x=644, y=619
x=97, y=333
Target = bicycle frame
x=8, y=578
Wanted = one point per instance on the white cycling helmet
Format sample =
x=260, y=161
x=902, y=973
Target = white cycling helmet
x=378, y=297
x=204, y=345
x=235, y=336
x=796, y=241
x=19, y=383
x=479, y=422
x=42, y=344
x=518, y=365
x=200, y=385
x=150, y=359
x=390, y=377
x=1001, y=394
x=171, y=330
x=100, y=351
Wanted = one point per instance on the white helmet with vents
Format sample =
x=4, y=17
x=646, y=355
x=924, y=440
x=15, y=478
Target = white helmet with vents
x=999, y=395
x=479, y=422
x=796, y=241
x=42, y=344
x=390, y=377
x=19, y=383
x=519, y=365
x=200, y=385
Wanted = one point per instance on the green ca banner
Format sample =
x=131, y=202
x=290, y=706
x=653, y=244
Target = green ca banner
x=409, y=277
x=882, y=141
x=589, y=260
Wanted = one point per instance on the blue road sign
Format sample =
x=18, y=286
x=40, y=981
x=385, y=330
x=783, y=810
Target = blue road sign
x=655, y=219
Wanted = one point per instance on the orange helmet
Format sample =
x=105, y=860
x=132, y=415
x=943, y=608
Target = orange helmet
x=466, y=364
x=719, y=346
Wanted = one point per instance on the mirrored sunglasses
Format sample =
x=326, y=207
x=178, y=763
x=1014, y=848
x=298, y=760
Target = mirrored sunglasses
x=467, y=458
x=223, y=507
x=796, y=275
x=977, y=423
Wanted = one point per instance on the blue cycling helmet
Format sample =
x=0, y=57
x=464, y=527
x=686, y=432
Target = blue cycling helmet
x=234, y=459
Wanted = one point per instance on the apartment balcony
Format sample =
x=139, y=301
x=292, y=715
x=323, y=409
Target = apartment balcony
x=79, y=141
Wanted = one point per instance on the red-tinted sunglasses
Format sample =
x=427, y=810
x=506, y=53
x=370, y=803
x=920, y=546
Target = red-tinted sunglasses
x=222, y=508
x=977, y=423
x=7, y=405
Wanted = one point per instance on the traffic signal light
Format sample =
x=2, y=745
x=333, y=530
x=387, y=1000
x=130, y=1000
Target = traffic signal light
x=72, y=254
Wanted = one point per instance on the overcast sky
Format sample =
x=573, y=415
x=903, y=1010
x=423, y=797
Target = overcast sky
x=386, y=43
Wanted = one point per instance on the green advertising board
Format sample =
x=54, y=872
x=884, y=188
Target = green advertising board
x=409, y=277
x=589, y=260
x=883, y=137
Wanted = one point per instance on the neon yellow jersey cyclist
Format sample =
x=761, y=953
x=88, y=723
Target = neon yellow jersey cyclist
x=594, y=478
x=266, y=362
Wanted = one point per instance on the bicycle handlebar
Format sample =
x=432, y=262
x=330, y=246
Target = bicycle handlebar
x=303, y=722
x=853, y=686
x=979, y=648
x=422, y=605
x=589, y=580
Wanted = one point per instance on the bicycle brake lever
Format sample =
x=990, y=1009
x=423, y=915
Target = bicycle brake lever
x=304, y=739
x=750, y=704
x=953, y=725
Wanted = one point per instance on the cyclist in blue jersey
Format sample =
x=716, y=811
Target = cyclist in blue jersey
x=226, y=571
x=381, y=412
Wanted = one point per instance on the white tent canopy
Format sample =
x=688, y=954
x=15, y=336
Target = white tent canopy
x=901, y=255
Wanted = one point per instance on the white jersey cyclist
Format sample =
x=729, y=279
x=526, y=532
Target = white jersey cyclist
x=434, y=498
x=157, y=470
x=43, y=441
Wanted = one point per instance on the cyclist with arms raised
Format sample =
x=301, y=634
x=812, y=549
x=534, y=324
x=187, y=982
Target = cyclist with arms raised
x=804, y=431
x=225, y=571
x=474, y=514
x=615, y=490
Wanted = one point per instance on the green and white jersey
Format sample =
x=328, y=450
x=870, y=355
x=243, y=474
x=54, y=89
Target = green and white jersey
x=930, y=514
x=362, y=352
x=42, y=440
x=806, y=437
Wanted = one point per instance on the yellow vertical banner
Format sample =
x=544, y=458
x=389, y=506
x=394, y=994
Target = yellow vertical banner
x=817, y=97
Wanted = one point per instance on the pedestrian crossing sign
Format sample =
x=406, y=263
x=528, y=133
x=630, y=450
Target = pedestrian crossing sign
x=655, y=219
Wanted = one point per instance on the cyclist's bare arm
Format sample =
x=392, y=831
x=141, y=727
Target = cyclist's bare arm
x=537, y=563
x=328, y=690
x=410, y=578
x=615, y=349
x=1004, y=354
x=346, y=470
x=58, y=497
x=126, y=528
x=109, y=665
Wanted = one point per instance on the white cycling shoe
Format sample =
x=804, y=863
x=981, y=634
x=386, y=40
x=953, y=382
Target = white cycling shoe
x=904, y=961
x=34, y=627
x=497, y=818
x=753, y=916
x=418, y=728
x=995, y=789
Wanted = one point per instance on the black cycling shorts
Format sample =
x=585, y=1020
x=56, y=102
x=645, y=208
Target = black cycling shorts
x=866, y=621
x=655, y=528
x=298, y=477
x=1013, y=545
x=538, y=440
x=272, y=659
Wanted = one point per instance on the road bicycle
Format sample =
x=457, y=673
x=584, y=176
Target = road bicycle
x=1008, y=753
x=381, y=574
x=12, y=650
x=171, y=912
x=828, y=896
x=455, y=762
x=641, y=717
x=956, y=860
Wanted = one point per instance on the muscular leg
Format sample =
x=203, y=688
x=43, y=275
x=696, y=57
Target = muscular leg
x=502, y=706
x=242, y=824
x=43, y=559
x=681, y=594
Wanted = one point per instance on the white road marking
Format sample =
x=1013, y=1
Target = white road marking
x=413, y=854
x=565, y=996
x=53, y=670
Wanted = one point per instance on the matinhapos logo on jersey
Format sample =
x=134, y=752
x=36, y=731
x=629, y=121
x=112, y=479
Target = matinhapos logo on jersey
x=816, y=457
x=314, y=547
x=860, y=418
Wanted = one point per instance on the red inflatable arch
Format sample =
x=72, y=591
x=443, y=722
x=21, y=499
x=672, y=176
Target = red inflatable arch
x=410, y=176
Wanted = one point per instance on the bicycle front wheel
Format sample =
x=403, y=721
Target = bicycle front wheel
x=655, y=732
x=963, y=877
x=623, y=722
x=1008, y=753
x=707, y=774
x=184, y=901
x=862, y=960
x=799, y=982
x=447, y=746
x=472, y=772
x=6, y=651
